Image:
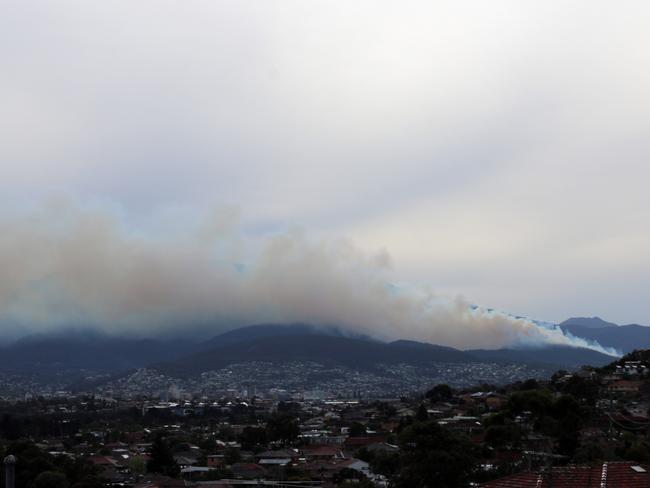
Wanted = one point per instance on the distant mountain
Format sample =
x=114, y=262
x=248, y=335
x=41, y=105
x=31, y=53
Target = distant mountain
x=86, y=350
x=74, y=352
x=262, y=331
x=625, y=338
x=278, y=344
x=258, y=331
x=587, y=322
x=323, y=348
x=556, y=356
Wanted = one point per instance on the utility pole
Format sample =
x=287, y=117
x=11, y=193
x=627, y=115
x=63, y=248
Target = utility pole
x=10, y=471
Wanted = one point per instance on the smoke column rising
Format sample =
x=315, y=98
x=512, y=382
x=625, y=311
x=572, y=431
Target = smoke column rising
x=63, y=266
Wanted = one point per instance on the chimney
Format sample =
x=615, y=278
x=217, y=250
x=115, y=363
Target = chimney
x=10, y=471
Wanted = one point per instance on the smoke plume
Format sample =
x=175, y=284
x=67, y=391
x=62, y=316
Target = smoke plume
x=62, y=266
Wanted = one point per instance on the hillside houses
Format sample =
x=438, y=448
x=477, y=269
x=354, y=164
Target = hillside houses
x=510, y=433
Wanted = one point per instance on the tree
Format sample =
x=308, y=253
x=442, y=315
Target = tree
x=207, y=444
x=386, y=463
x=505, y=435
x=282, y=427
x=81, y=473
x=162, y=461
x=357, y=429
x=538, y=402
x=138, y=465
x=51, y=479
x=530, y=384
x=422, y=415
x=590, y=452
x=581, y=389
x=33, y=462
x=232, y=456
x=432, y=457
x=440, y=393
x=10, y=427
x=638, y=452
x=253, y=437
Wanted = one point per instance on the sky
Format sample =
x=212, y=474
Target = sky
x=489, y=153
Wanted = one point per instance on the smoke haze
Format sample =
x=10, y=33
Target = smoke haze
x=63, y=266
x=498, y=149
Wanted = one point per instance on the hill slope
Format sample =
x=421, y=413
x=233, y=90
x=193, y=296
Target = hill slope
x=263, y=331
x=92, y=351
x=281, y=344
x=557, y=356
x=625, y=338
x=587, y=322
x=321, y=348
x=52, y=353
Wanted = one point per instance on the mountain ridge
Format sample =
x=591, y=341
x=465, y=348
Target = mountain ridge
x=76, y=350
x=587, y=322
x=625, y=338
x=309, y=344
x=321, y=348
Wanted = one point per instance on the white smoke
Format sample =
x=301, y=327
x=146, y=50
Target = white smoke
x=64, y=266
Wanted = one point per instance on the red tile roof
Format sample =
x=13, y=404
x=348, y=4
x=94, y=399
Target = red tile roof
x=608, y=475
x=322, y=451
x=103, y=461
x=521, y=480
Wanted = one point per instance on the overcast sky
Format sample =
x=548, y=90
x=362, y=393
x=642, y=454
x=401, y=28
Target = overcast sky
x=495, y=150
